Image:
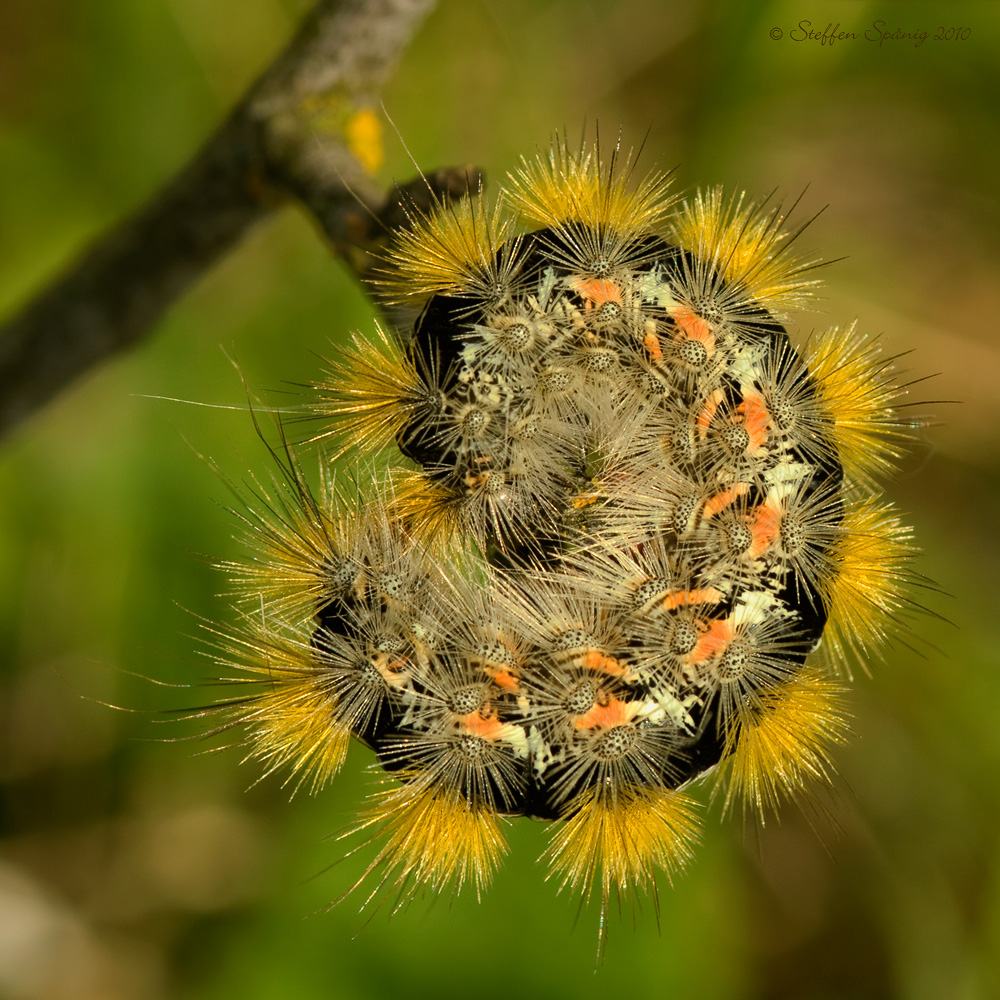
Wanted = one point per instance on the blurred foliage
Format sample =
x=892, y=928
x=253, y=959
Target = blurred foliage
x=135, y=862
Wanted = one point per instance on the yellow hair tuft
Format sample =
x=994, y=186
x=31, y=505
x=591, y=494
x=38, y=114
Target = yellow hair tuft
x=293, y=536
x=781, y=743
x=856, y=387
x=461, y=248
x=627, y=837
x=580, y=187
x=868, y=589
x=434, y=838
x=425, y=507
x=370, y=393
x=738, y=241
x=290, y=715
x=294, y=724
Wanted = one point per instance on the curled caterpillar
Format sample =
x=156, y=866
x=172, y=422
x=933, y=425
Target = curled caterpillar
x=635, y=542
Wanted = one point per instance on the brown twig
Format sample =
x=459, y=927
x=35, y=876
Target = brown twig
x=266, y=151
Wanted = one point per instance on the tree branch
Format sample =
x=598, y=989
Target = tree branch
x=267, y=150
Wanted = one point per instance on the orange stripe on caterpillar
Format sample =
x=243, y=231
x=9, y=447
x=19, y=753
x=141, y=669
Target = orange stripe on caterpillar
x=488, y=728
x=504, y=679
x=693, y=327
x=594, y=659
x=722, y=500
x=682, y=598
x=614, y=713
x=652, y=343
x=708, y=411
x=712, y=642
x=765, y=521
x=585, y=500
x=596, y=291
x=396, y=673
x=756, y=419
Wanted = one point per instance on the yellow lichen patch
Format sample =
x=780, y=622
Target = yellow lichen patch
x=856, y=387
x=625, y=837
x=364, y=137
x=744, y=245
x=433, y=838
x=334, y=114
x=369, y=392
x=567, y=186
x=867, y=592
x=781, y=743
x=461, y=248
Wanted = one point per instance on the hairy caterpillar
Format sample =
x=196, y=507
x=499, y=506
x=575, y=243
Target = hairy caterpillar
x=635, y=541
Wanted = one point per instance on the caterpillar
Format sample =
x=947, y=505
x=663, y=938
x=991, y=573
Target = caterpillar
x=631, y=543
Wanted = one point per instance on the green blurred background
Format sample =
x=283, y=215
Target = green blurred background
x=136, y=861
